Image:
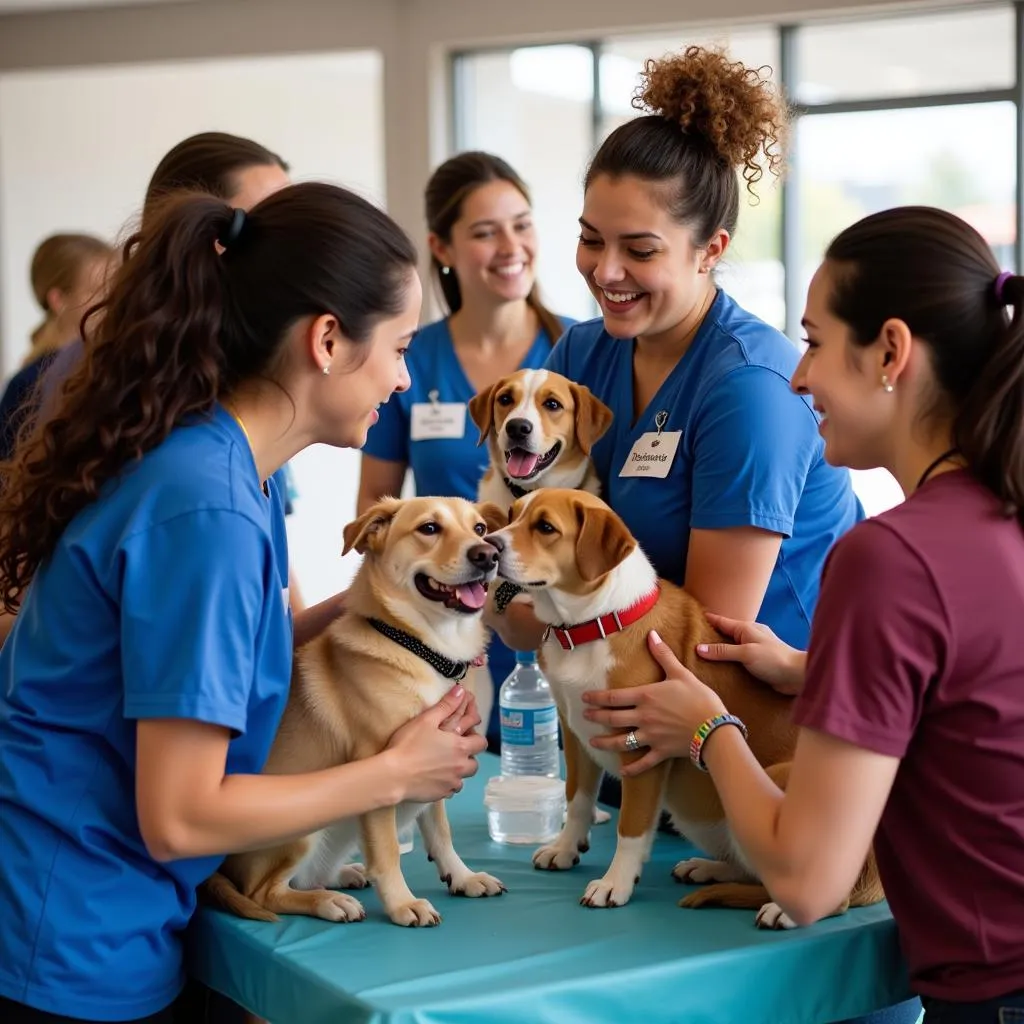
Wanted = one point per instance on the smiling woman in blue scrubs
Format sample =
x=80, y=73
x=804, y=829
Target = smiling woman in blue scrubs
x=145, y=676
x=484, y=245
x=715, y=465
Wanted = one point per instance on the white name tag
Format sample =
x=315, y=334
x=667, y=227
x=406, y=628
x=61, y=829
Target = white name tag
x=652, y=455
x=432, y=421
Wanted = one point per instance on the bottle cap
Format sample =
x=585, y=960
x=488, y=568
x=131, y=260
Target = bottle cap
x=526, y=657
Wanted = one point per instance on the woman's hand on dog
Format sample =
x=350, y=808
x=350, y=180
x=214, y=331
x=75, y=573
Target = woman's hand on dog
x=664, y=715
x=760, y=652
x=431, y=757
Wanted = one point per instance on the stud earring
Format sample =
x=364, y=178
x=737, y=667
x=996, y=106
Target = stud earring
x=886, y=384
x=327, y=370
x=446, y=271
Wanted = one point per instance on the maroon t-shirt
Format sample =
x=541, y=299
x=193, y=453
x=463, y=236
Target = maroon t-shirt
x=917, y=652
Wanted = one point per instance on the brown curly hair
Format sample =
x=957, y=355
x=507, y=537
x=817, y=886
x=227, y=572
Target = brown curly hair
x=709, y=117
x=183, y=326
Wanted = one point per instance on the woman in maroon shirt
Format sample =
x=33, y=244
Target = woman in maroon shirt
x=912, y=692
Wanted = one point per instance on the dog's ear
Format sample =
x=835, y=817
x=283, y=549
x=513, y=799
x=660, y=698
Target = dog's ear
x=492, y=515
x=603, y=541
x=593, y=417
x=370, y=528
x=481, y=410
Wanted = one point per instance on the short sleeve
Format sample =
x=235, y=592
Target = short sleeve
x=194, y=594
x=879, y=638
x=753, y=445
x=388, y=438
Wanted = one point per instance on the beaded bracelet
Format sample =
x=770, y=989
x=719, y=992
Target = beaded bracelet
x=704, y=730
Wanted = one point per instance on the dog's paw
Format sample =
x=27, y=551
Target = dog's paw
x=556, y=856
x=601, y=817
x=772, y=917
x=699, y=870
x=477, y=883
x=608, y=892
x=339, y=907
x=415, y=914
x=352, y=876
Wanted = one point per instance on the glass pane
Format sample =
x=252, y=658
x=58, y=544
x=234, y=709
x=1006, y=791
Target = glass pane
x=752, y=271
x=955, y=51
x=533, y=106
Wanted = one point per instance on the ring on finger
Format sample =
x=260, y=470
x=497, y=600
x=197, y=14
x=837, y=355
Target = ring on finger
x=632, y=743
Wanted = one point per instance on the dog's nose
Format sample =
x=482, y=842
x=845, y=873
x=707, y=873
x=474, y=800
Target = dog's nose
x=496, y=541
x=483, y=556
x=518, y=429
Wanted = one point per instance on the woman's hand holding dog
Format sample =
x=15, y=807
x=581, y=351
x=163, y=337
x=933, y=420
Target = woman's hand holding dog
x=664, y=715
x=760, y=652
x=436, y=750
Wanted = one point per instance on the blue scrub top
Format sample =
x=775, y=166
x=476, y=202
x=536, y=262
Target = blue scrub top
x=165, y=598
x=750, y=453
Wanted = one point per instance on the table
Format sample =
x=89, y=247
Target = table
x=535, y=955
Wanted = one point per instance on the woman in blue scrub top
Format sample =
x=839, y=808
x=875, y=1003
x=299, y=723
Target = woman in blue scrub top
x=735, y=500
x=148, y=668
x=484, y=246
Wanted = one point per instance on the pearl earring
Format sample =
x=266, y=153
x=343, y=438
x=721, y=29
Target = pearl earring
x=446, y=271
x=886, y=384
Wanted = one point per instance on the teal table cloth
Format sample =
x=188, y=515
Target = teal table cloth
x=535, y=955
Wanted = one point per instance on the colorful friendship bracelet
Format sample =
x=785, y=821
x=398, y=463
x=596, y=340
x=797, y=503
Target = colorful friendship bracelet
x=704, y=730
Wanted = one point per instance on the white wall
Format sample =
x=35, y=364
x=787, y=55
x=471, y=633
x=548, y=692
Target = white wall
x=77, y=149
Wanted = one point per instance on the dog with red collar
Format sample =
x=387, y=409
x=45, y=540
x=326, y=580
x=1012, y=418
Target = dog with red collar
x=599, y=594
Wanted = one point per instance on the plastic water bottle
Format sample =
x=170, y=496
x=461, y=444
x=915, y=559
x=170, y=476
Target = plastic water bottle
x=529, y=721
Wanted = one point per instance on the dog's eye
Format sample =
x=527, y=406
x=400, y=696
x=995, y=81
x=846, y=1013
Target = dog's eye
x=480, y=529
x=504, y=399
x=543, y=526
x=553, y=404
x=428, y=528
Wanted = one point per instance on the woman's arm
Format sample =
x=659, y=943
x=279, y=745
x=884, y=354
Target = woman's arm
x=378, y=478
x=728, y=570
x=189, y=807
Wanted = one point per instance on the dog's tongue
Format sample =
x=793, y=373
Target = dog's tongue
x=472, y=595
x=521, y=463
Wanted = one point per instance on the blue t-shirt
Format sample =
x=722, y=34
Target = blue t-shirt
x=448, y=467
x=165, y=598
x=749, y=455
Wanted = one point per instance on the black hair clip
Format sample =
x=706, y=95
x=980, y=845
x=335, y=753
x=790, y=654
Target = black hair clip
x=235, y=229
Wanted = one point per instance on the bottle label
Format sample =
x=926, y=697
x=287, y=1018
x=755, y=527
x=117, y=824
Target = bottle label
x=522, y=727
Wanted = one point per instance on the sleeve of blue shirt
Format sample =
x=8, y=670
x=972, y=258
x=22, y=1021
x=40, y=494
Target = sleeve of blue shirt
x=753, y=445
x=193, y=595
x=388, y=438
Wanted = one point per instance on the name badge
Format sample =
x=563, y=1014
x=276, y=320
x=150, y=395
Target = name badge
x=434, y=420
x=654, y=452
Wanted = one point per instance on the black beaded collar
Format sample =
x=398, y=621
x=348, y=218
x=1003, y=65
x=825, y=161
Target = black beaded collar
x=504, y=594
x=454, y=670
x=517, y=491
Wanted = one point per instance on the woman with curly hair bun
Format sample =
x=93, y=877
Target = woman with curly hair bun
x=716, y=466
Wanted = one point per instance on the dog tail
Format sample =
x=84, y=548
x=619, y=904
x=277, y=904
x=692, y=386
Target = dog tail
x=739, y=895
x=222, y=892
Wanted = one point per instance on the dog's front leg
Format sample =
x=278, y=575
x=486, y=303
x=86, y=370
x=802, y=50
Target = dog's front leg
x=641, y=803
x=384, y=870
x=461, y=881
x=582, y=776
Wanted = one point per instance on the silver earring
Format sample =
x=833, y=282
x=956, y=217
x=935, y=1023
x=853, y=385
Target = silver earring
x=446, y=271
x=327, y=370
x=886, y=384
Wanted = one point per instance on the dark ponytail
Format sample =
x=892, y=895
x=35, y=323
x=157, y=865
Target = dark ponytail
x=183, y=325
x=934, y=272
x=446, y=191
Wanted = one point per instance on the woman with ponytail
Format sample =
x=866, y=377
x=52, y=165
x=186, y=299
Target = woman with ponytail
x=483, y=247
x=911, y=695
x=149, y=665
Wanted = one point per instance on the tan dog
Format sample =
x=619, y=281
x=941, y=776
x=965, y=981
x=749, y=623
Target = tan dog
x=539, y=428
x=582, y=566
x=425, y=573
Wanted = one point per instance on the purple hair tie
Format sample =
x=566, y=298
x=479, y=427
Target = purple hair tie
x=997, y=288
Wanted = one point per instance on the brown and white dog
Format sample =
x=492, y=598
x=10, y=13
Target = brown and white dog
x=581, y=565
x=539, y=427
x=424, y=577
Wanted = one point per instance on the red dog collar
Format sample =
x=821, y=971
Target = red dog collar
x=571, y=637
